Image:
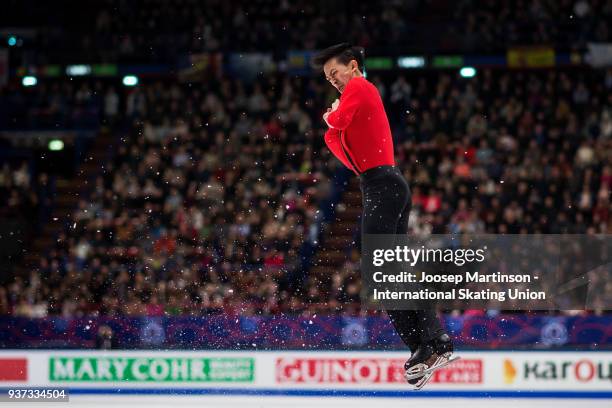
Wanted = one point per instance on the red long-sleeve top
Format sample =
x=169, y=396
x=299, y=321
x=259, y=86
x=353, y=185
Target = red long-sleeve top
x=359, y=134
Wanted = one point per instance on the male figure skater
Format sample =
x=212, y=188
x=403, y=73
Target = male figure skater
x=360, y=137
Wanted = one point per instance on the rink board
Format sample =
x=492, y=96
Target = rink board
x=508, y=374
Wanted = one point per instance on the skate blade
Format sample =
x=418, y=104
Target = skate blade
x=425, y=379
x=422, y=382
x=434, y=367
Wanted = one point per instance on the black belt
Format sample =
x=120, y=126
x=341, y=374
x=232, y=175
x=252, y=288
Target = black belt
x=379, y=171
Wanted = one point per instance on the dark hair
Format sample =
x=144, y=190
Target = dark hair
x=343, y=52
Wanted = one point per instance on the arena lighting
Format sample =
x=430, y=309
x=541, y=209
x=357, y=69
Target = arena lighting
x=29, y=81
x=78, y=70
x=379, y=62
x=130, y=80
x=467, y=72
x=411, y=62
x=56, y=145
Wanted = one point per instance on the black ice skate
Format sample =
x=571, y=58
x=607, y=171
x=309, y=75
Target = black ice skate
x=427, y=359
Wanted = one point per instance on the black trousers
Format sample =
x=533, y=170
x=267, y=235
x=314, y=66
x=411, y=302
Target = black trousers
x=386, y=206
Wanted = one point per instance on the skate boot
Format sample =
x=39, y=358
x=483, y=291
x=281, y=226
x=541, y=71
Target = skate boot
x=428, y=358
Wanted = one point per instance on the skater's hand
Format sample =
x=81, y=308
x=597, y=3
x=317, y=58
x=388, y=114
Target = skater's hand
x=335, y=105
x=330, y=110
x=326, y=114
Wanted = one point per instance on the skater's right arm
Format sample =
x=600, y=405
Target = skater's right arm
x=351, y=99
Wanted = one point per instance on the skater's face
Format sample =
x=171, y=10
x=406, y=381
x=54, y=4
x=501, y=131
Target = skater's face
x=339, y=74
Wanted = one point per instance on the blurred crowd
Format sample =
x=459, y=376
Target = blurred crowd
x=209, y=200
x=524, y=152
x=18, y=193
x=216, y=188
x=57, y=105
x=163, y=31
